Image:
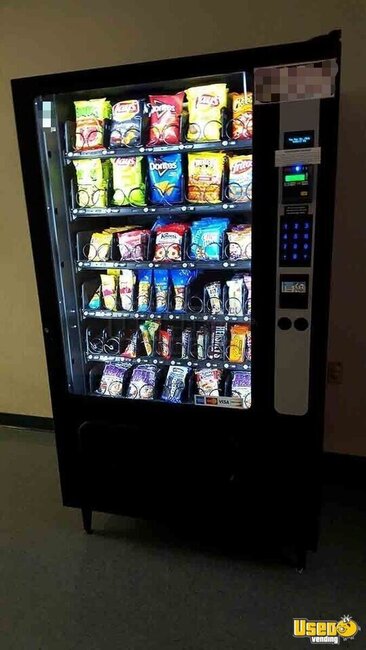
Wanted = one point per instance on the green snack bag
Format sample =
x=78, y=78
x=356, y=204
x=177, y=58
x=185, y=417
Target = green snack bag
x=92, y=183
x=90, y=116
x=128, y=184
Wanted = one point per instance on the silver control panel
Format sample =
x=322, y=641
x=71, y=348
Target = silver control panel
x=298, y=153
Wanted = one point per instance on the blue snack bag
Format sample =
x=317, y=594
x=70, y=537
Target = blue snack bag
x=165, y=174
x=206, y=238
x=180, y=279
x=161, y=282
x=144, y=277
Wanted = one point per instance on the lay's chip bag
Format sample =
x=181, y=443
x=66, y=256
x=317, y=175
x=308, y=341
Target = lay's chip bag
x=92, y=177
x=127, y=123
x=90, y=116
x=205, y=171
x=205, y=104
x=165, y=175
x=128, y=183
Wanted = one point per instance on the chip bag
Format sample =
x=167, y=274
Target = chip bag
x=168, y=244
x=127, y=123
x=206, y=238
x=174, y=384
x=165, y=175
x=205, y=104
x=128, y=184
x=133, y=244
x=205, y=172
x=165, y=112
x=92, y=177
x=109, y=291
x=100, y=247
x=240, y=242
x=241, y=386
x=142, y=384
x=240, y=179
x=90, y=116
x=238, y=334
x=208, y=381
x=242, y=122
x=111, y=383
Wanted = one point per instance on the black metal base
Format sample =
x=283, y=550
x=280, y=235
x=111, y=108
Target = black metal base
x=87, y=514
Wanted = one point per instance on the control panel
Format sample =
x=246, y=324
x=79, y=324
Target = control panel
x=297, y=181
x=295, y=241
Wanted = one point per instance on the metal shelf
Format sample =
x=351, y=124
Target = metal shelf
x=158, y=361
x=170, y=316
x=155, y=210
x=187, y=147
x=207, y=265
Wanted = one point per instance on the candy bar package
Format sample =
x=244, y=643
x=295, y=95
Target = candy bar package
x=90, y=117
x=111, y=383
x=242, y=121
x=144, y=277
x=235, y=296
x=100, y=247
x=161, y=283
x=128, y=182
x=142, y=383
x=238, y=334
x=240, y=242
x=126, y=289
x=165, y=176
x=213, y=293
x=130, y=350
x=133, y=245
x=127, y=123
x=205, y=171
x=206, y=238
x=248, y=347
x=165, y=112
x=201, y=343
x=216, y=348
x=205, y=104
x=208, y=381
x=241, y=386
x=148, y=330
x=186, y=342
x=109, y=291
x=240, y=179
x=166, y=343
x=175, y=384
x=169, y=242
x=180, y=279
x=248, y=300
x=92, y=178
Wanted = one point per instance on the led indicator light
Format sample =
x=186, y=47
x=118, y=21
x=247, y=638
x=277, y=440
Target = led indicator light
x=294, y=246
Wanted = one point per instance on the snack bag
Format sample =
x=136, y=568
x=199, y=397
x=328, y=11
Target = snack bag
x=133, y=244
x=168, y=244
x=205, y=171
x=111, y=383
x=248, y=346
x=242, y=122
x=240, y=242
x=206, y=238
x=202, y=342
x=238, y=334
x=241, y=386
x=130, y=351
x=248, y=300
x=126, y=288
x=90, y=116
x=174, y=384
x=127, y=123
x=109, y=291
x=208, y=380
x=165, y=343
x=165, y=112
x=205, y=104
x=240, y=179
x=161, y=282
x=144, y=278
x=186, y=342
x=236, y=295
x=165, y=175
x=100, y=247
x=148, y=331
x=142, y=382
x=128, y=184
x=95, y=301
x=214, y=297
x=92, y=177
x=180, y=279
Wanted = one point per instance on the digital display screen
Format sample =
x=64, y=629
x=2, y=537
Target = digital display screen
x=298, y=139
x=292, y=178
x=293, y=286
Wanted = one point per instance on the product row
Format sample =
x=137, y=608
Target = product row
x=211, y=239
x=177, y=384
x=180, y=291
x=194, y=343
x=163, y=179
x=199, y=114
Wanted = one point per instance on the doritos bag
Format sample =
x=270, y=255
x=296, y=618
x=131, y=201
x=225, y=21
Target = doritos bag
x=165, y=175
x=165, y=112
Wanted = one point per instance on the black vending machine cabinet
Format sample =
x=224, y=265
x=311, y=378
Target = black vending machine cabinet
x=181, y=215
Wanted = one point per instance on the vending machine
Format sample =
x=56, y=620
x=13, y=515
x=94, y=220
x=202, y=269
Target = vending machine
x=181, y=216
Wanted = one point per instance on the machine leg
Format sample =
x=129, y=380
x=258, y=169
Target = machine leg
x=86, y=514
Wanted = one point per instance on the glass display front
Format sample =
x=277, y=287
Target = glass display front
x=153, y=186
